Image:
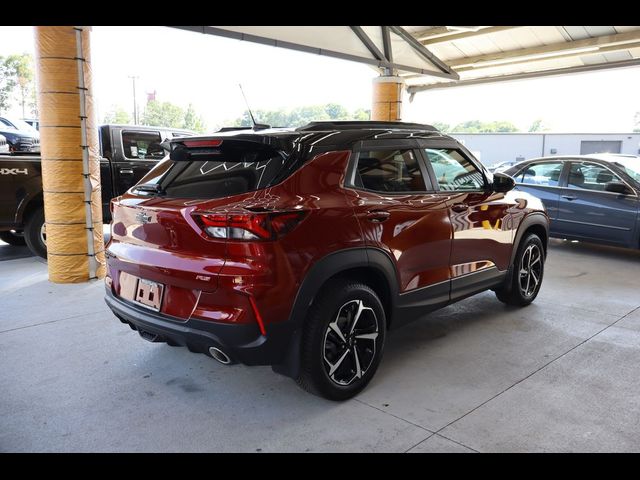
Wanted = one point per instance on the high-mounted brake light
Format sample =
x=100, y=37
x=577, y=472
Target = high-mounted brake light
x=201, y=143
x=248, y=226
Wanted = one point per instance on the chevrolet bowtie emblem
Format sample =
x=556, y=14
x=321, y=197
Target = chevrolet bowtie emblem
x=143, y=217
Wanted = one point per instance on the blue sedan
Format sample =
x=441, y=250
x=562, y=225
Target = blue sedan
x=595, y=198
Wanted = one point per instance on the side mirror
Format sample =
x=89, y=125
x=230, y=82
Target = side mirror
x=617, y=187
x=502, y=183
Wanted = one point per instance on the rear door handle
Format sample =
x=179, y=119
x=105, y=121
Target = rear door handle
x=570, y=197
x=126, y=171
x=377, y=215
x=460, y=207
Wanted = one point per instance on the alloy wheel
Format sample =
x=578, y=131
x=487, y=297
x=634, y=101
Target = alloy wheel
x=530, y=270
x=349, y=346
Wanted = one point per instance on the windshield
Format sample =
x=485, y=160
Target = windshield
x=631, y=166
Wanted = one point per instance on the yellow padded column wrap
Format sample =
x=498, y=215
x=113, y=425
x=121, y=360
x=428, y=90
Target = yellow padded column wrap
x=387, y=98
x=70, y=154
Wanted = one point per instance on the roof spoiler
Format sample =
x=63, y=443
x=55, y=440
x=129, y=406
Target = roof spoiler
x=185, y=149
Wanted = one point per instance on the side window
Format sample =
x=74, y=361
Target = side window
x=590, y=176
x=453, y=172
x=545, y=174
x=142, y=145
x=389, y=171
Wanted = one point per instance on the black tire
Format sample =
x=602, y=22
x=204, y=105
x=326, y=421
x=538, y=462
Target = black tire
x=522, y=289
x=338, y=304
x=32, y=233
x=12, y=238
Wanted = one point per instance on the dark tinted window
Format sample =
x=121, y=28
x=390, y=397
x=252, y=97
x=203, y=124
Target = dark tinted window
x=389, y=171
x=229, y=174
x=545, y=174
x=143, y=145
x=454, y=172
x=590, y=176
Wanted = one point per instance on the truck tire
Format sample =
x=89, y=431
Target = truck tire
x=12, y=238
x=33, y=233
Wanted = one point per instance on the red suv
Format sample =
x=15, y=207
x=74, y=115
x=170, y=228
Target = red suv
x=300, y=248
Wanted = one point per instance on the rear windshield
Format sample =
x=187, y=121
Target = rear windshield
x=226, y=175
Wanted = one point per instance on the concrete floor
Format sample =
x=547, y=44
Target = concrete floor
x=559, y=375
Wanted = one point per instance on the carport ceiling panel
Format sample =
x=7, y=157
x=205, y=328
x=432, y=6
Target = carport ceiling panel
x=477, y=53
x=335, y=38
x=349, y=43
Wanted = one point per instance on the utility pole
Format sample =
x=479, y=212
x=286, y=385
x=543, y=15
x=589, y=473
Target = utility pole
x=135, y=104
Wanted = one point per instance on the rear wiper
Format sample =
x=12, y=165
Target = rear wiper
x=151, y=188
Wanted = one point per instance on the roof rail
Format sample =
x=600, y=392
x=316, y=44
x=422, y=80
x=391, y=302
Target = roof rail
x=352, y=125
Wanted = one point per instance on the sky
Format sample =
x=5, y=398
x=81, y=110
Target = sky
x=185, y=67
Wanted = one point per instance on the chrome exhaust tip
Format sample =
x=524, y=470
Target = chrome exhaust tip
x=219, y=355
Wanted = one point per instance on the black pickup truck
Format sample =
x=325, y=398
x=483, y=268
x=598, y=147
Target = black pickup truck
x=128, y=153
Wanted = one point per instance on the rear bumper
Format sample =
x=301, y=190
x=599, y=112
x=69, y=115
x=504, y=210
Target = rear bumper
x=241, y=342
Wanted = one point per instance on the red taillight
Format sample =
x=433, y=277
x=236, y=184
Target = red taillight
x=202, y=143
x=248, y=226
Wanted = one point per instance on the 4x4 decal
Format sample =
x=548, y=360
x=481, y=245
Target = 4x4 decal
x=14, y=171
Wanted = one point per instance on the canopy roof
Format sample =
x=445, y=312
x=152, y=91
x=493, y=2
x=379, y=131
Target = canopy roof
x=431, y=57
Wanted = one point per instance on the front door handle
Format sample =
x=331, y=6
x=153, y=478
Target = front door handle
x=126, y=171
x=570, y=197
x=460, y=207
x=377, y=215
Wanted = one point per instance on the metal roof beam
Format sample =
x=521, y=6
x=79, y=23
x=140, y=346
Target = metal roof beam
x=424, y=52
x=386, y=41
x=436, y=35
x=364, y=38
x=545, y=52
x=412, y=90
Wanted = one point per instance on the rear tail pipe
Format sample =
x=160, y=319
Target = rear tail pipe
x=219, y=355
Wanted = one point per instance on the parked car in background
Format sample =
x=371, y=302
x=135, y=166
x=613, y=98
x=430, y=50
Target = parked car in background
x=300, y=248
x=20, y=136
x=588, y=197
x=128, y=152
x=34, y=122
x=4, y=145
x=502, y=166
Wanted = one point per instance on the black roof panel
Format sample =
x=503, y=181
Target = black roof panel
x=355, y=125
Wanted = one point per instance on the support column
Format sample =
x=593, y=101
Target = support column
x=70, y=155
x=387, y=98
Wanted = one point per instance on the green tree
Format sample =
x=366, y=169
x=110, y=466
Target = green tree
x=117, y=114
x=299, y=116
x=477, y=126
x=163, y=114
x=443, y=127
x=193, y=121
x=7, y=83
x=362, y=114
x=336, y=112
x=538, y=126
x=21, y=68
x=500, y=127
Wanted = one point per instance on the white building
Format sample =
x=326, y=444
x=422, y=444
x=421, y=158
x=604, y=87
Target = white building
x=493, y=148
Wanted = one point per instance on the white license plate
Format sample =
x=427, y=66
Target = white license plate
x=149, y=294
